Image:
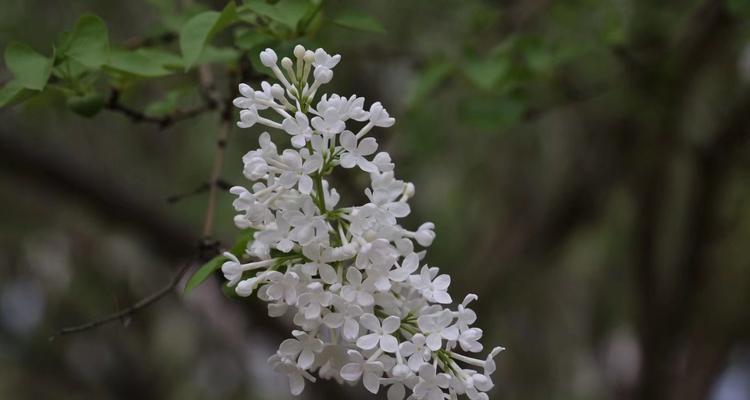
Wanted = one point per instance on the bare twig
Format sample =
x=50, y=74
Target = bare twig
x=212, y=95
x=127, y=312
x=204, y=187
x=162, y=39
x=114, y=104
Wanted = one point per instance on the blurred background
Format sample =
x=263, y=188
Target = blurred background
x=586, y=163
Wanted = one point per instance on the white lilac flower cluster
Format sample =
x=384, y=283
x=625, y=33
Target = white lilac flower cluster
x=364, y=307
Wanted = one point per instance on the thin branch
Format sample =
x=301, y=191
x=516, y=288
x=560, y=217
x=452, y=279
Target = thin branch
x=204, y=187
x=114, y=104
x=127, y=312
x=208, y=86
x=162, y=39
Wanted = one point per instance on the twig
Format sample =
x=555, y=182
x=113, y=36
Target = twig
x=204, y=187
x=114, y=104
x=164, y=38
x=212, y=95
x=127, y=312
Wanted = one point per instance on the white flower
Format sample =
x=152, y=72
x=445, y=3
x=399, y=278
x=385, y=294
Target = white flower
x=232, y=269
x=379, y=252
x=314, y=300
x=297, y=172
x=432, y=289
x=407, y=267
x=381, y=333
x=349, y=274
x=466, y=316
x=369, y=371
x=316, y=266
x=296, y=374
x=356, y=152
x=355, y=291
x=416, y=350
x=379, y=116
x=425, y=234
x=469, y=340
x=268, y=57
x=299, y=128
x=437, y=328
x=248, y=117
x=430, y=384
x=304, y=345
x=326, y=60
x=283, y=287
x=330, y=123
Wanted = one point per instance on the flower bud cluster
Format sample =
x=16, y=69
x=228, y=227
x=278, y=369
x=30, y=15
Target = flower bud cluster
x=364, y=304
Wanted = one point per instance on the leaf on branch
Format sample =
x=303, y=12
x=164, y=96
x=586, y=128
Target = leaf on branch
x=432, y=77
x=359, y=21
x=286, y=12
x=87, y=104
x=137, y=63
x=12, y=93
x=89, y=42
x=220, y=55
x=213, y=265
x=31, y=69
x=163, y=107
x=198, y=30
x=249, y=40
x=205, y=271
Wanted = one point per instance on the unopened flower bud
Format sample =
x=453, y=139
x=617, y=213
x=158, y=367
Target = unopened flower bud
x=268, y=57
x=299, y=51
x=309, y=56
x=323, y=74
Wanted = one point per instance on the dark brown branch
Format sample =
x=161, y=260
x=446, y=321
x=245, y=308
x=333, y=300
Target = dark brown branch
x=220, y=183
x=127, y=312
x=212, y=95
x=163, y=39
x=115, y=104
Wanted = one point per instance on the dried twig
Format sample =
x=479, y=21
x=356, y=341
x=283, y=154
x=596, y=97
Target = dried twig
x=129, y=311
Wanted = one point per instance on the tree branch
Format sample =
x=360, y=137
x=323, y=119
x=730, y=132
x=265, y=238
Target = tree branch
x=213, y=96
x=127, y=312
x=114, y=104
x=203, y=187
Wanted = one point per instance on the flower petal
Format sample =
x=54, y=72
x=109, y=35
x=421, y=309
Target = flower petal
x=391, y=324
x=368, y=342
x=388, y=343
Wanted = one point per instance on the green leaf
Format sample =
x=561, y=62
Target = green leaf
x=739, y=8
x=486, y=73
x=165, y=106
x=136, y=63
x=30, y=68
x=429, y=80
x=213, y=265
x=13, y=92
x=240, y=245
x=89, y=42
x=86, y=105
x=221, y=55
x=249, y=40
x=165, y=58
x=491, y=113
x=287, y=12
x=359, y=21
x=203, y=273
x=199, y=29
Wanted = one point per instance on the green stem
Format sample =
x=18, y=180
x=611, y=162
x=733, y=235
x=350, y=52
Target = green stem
x=318, y=181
